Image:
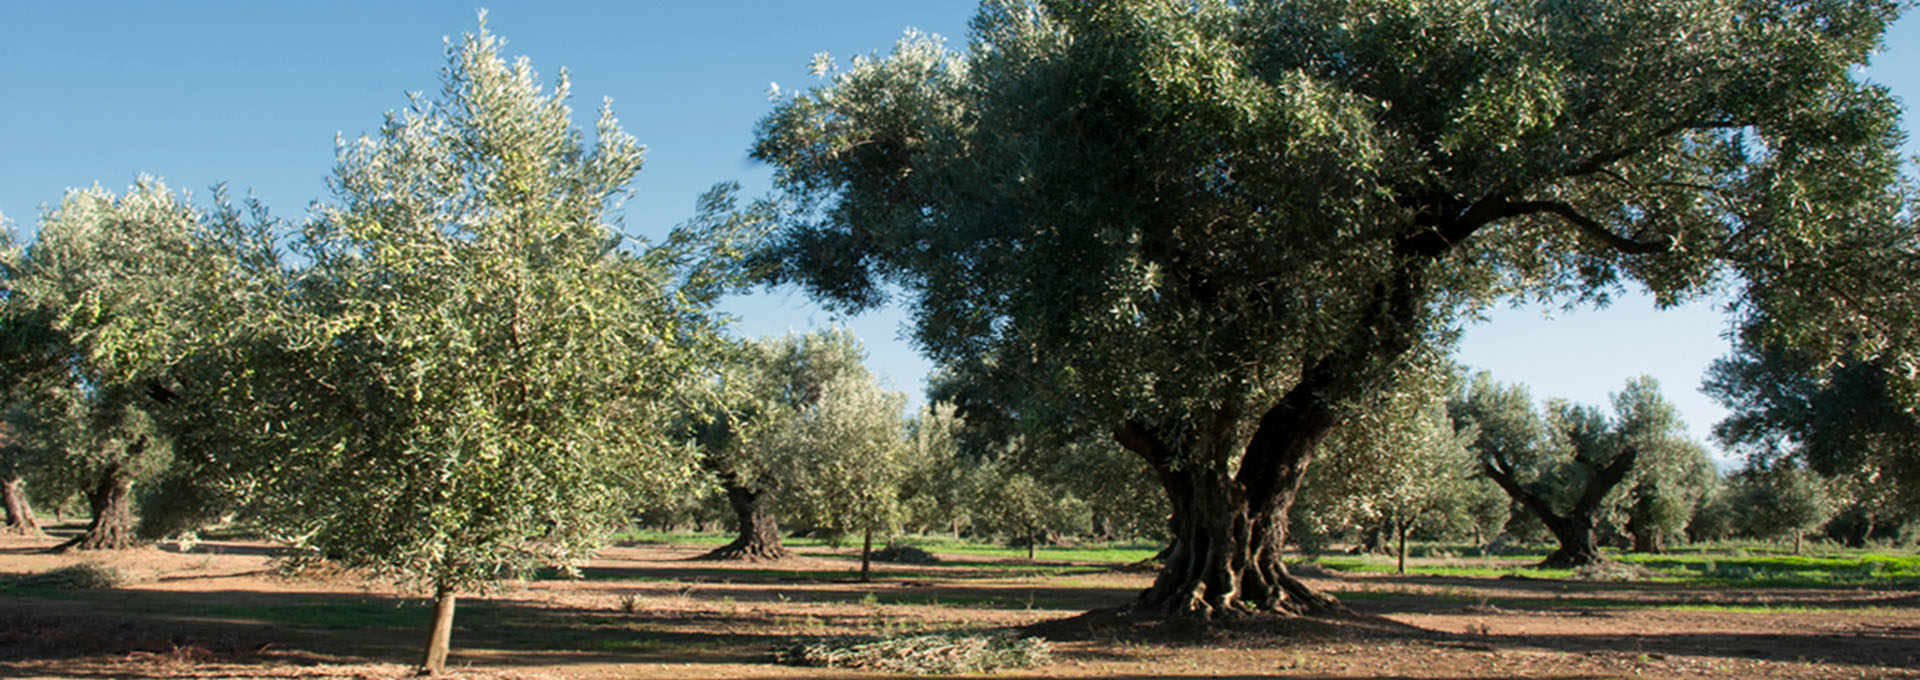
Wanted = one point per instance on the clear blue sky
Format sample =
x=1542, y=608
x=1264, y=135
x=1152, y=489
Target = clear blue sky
x=253, y=93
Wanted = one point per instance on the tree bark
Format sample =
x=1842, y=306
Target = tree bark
x=439, y=639
x=112, y=525
x=20, y=520
x=1228, y=533
x=759, y=537
x=1575, y=535
x=1646, y=537
x=1401, y=529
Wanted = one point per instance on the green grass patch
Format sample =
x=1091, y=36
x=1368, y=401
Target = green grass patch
x=1737, y=568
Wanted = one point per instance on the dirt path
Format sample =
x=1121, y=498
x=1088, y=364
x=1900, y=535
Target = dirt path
x=650, y=612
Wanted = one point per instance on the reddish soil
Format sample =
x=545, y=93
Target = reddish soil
x=219, y=611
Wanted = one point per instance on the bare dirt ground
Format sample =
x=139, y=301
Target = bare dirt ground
x=218, y=611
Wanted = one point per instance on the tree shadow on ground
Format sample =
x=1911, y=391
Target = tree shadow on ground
x=1888, y=647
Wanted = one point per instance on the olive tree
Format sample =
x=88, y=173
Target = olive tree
x=1220, y=223
x=1780, y=500
x=851, y=455
x=1670, y=475
x=488, y=370
x=772, y=385
x=1844, y=417
x=1576, y=468
x=104, y=307
x=1396, y=466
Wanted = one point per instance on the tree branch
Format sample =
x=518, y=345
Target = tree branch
x=1604, y=480
x=1588, y=226
x=1503, y=476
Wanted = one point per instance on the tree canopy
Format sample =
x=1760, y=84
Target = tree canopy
x=1216, y=225
x=479, y=372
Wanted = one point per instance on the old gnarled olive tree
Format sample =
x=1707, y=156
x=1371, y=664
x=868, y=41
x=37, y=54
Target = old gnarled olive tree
x=1218, y=223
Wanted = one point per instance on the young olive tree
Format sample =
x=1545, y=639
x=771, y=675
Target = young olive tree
x=490, y=371
x=1220, y=223
x=1027, y=512
x=1781, y=500
x=1670, y=474
x=850, y=453
x=941, y=488
x=1396, y=466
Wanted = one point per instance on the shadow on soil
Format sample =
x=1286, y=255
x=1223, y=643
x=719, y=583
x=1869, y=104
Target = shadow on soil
x=1882, y=646
x=56, y=625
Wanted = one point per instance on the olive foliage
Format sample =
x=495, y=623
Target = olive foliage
x=1217, y=225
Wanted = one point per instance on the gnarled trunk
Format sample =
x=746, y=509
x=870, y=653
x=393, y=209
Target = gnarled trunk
x=759, y=537
x=1230, y=524
x=1575, y=534
x=1574, y=528
x=20, y=520
x=1228, y=529
x=112, y=503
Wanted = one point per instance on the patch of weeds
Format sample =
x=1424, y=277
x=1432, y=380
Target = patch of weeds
x=83, y=576
x=922, y=654
x=904, y=554
x=1611, y=571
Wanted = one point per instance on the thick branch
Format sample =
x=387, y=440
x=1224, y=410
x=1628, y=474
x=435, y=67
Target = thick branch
x=1136, y=438
x=1504, y=477
x=1590, y=227
x=1604, y=479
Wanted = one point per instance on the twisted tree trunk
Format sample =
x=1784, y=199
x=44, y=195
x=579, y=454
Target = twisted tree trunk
x=112, y=503
x=20, y=520
x=1229, y=529
x=1574, y=528
x=759, y=537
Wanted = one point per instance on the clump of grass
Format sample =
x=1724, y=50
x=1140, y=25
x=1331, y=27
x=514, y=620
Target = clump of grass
x=1611, y=571
x=922, y=654
x=904, y=554
x=83, y=576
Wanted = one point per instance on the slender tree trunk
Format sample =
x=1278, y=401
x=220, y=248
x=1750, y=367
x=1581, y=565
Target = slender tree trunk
x=866, y=557
x=1401, y=529
x=1033, y=544
x=759, y=537
x=440, y=638
x=112, y=503
x=20, y=520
